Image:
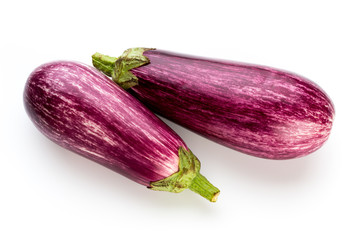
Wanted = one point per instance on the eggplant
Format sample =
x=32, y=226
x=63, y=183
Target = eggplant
x=80, y=109
x=258, y=110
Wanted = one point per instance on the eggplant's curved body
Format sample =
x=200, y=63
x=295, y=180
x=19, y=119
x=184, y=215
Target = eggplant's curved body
x=257, y=110
x=80, y=109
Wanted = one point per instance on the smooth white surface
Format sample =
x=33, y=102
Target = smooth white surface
x=50, y=193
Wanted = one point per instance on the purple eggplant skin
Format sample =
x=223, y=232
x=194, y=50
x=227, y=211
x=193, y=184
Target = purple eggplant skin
x=257, y=110
x=80, y=109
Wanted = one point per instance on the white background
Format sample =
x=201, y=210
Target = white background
x=50, y=193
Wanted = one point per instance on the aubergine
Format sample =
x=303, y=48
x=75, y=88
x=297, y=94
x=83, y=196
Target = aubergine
x=80, y=109
x=257, y=110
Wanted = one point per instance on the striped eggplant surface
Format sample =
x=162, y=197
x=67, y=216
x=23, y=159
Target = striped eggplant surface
x=80, y=109
x=261, y=111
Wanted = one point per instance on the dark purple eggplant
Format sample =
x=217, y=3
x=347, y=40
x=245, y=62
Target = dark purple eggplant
x=80, y=109
x=258, y=110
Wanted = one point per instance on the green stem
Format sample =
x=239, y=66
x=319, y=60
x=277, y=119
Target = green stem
x=188, y=176
x=104, y=63
x=203, y=187
x=119, y=68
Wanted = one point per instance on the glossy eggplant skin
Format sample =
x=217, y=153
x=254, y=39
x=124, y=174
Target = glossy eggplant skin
x=80, y=109
x=257, y=110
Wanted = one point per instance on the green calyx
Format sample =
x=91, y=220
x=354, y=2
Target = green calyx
x=188, y=176
x=119, y=68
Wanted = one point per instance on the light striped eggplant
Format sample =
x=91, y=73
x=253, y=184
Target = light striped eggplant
x=258, y=110
x=80, y=109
